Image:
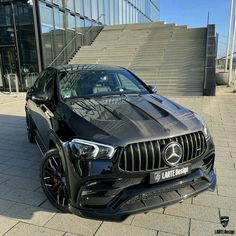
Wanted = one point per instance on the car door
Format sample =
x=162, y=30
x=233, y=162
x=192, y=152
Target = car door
x=42, y=112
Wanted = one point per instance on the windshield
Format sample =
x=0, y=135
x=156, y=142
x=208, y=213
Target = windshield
x=97, y=83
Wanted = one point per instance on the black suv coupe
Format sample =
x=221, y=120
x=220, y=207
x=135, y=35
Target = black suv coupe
x=112, y=146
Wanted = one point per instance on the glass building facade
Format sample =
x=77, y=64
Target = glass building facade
x=17, y=43
x=39, y=33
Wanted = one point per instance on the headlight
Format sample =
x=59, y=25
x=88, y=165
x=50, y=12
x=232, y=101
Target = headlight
x=206, y=131
x=204, y=126
x=83, y=149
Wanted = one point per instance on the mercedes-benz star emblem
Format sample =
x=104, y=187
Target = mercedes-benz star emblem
x=172, y=153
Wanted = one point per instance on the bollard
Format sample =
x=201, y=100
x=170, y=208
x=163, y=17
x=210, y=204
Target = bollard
x=16, y=84
x=9, y=82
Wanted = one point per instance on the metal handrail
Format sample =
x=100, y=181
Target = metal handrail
x=90, y=28
x=62, y=51
x=77, y=33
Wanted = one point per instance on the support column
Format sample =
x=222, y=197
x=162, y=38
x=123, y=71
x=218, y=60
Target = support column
x=210, y=64
x=232, y=48
x=229, y=33
x=17, y=46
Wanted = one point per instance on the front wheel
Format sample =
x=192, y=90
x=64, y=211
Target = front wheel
x=53, y=180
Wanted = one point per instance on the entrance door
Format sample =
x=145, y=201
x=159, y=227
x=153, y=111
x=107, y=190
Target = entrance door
x=8, y=63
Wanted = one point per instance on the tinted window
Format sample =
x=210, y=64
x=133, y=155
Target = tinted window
x=127, y=84
x=74, y=84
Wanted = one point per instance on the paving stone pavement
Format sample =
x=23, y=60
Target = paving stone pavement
x=24, y=209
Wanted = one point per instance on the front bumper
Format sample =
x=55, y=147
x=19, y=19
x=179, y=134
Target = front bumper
x=137, y=199
x=100, y=190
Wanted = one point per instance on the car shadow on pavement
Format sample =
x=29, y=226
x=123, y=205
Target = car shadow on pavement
x=21, y=196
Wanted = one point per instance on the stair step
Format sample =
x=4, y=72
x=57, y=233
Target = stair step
x=168, y=55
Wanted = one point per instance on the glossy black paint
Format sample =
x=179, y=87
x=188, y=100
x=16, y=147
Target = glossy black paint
x=100, y=185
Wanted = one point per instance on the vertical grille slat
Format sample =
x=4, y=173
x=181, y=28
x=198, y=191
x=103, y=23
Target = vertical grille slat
x=187, y=147
x=203, y=143
x=139, y=157
x=153, y=155
x=196, y=144
x=182, y=143
x=125, y=160
x=200, y=143
x=147, y=156
x=132, y=157
x=191, y=146
x=159, y=154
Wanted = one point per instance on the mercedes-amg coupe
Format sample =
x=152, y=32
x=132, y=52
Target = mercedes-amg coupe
x=112, y=146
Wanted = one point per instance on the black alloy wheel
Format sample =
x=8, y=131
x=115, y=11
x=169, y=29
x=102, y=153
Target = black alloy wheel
x=53, y=180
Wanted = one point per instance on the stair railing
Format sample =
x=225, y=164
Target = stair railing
x=91, y=27
x=65, y=48
x=73, y=39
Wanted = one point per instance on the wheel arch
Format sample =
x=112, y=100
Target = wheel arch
x=56, y=143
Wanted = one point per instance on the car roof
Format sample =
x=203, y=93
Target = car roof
x=87, y=67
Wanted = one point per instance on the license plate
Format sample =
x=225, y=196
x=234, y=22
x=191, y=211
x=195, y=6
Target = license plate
x=159, y=176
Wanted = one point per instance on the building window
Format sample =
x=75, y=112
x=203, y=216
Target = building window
x=6, y=25
x=101, y=13
x=79, y=7
x=80, y=30
x=124, y=12
x=80, y=24
x=88, y=32
x=59, y=35
x=58, y=2
x=87, y=8
x=26, y=43
x=70, y=21
x=70, y=5
x=107, y=11
x=70, y=33
x=116, y=12
x=47, y=29
x=94, y=9
x=120, y=12
x=112, y=12
x=18, y=57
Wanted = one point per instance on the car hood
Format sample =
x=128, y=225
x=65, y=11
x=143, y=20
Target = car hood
x=120, y=120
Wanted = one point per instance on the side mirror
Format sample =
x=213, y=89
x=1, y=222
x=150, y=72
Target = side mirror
x=153, y=88
x=40, y=97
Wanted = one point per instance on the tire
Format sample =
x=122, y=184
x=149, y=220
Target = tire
x=30, y=129
x=53, y=180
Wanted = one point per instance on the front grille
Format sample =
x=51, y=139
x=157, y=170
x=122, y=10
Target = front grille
x=146, y=156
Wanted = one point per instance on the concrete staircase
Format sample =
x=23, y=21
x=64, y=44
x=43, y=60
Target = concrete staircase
x=169, y=56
